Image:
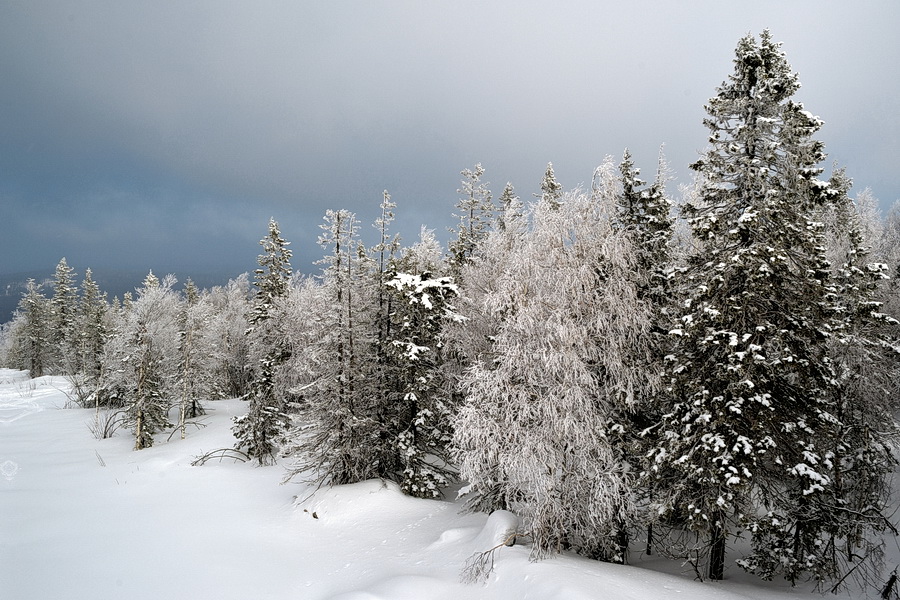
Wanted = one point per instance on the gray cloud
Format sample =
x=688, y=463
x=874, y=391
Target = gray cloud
x=168, y=132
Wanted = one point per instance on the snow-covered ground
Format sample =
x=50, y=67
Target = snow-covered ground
x=92, y=519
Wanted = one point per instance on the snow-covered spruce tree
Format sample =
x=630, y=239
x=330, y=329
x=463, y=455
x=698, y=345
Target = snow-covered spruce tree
x=148, y=359
x=384, y=372
x=338, y=440
x=34, y=344
x=643, y=214
x=646, y=213
x=475, y=213
x=63, y=320
x=91, y=332
x=92, y=327
x=837, y=532
x=511, y=210
x=262, y=429
x=532, y=434
x=751, y=422
x=551, y=189
x=422, y=408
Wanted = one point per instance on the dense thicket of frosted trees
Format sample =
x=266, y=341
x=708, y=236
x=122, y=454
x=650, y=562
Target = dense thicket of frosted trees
x=616, y=372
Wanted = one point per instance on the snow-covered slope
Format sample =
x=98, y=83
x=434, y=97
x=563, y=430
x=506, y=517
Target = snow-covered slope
x=92, y=519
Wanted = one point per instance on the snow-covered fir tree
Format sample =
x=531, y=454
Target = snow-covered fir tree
x=142, y=360
x=92, y=328
x=475, y=211
x=419, y=402
x=551, y=189
x=63, y=320
x=836, y=533
x=261, y=430
x=749, y=428
x=383, y=373
x=511, y=208
x=34, y=335
x=341, y=436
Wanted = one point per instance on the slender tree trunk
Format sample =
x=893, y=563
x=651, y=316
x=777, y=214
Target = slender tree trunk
x=622, y=541
x=185, y=376
x=717, y=549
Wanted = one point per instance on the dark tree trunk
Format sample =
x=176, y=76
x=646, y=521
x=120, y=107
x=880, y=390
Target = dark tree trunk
x=717, y=550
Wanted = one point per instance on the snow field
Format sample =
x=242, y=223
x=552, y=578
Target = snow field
x=92, y=519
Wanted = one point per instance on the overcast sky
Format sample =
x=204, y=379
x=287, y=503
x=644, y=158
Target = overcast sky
x=164, y=135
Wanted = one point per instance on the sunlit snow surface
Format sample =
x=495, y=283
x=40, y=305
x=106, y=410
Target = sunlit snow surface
x=86, y=518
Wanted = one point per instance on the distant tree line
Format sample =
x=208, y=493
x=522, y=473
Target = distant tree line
x=607, y=363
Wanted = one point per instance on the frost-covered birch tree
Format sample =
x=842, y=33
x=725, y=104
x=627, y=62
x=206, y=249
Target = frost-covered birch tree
x=230, y=305
x=469, y=338
x=196, y=353
x=533, y=433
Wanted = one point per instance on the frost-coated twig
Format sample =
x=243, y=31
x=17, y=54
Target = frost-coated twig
x=480, y=565
x=221, y=453
x=837, y=585
x=180, y=427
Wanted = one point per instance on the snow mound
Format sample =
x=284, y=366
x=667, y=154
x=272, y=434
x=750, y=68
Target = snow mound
x=403, y=587
x=500, y=528
x=349, y=503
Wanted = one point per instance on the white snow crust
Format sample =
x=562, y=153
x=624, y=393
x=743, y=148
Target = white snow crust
x=82, y=518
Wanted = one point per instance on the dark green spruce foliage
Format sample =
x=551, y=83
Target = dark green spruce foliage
x=262, y=429
x=752, y=415
x=835, y=529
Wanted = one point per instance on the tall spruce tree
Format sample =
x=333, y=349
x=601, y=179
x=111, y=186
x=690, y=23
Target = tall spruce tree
x=475, y=213
x=751, y=418
x=64, y=320
x=262, y=429
x=340, y=440
x=836, y=534
x=551, y=189
x=420, y=407
x=92, y=327
x=35, y=343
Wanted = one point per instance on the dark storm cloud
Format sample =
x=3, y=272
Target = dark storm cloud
x=142, y=133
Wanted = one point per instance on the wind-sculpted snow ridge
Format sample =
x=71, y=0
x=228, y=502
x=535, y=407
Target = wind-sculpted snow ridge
x=87, y=518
